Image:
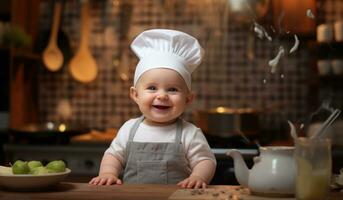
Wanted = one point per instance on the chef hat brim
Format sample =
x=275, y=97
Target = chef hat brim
x=162, y=60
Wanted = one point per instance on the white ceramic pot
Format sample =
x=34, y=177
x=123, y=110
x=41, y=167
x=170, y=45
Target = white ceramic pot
x=273, y=171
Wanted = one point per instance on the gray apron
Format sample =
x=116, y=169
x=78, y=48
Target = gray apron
x=155, y=163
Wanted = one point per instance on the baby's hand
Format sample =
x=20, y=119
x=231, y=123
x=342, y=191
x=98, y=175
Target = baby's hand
x=105, y=179
x=193, y=182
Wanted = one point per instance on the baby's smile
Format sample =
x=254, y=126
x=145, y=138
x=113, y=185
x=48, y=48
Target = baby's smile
x=161, y=107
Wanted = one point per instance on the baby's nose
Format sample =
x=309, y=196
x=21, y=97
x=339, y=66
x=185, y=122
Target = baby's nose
x=162, y=95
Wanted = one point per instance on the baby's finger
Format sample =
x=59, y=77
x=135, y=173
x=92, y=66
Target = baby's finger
x=204, y=185
x=94, y=181
x=119, y=182
x=190, y=184
x=180, y=183
x=183, y=184
x=110, y=181
x=198, y=185
x=102, y=181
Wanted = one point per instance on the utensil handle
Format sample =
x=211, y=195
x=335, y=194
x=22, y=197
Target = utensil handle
x=56, y=22
x=84, y=24
x=326, y=124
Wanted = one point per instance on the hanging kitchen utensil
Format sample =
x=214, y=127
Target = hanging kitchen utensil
x=63, y=42
x=83, y=66
x=122, y=62
x=52, y=55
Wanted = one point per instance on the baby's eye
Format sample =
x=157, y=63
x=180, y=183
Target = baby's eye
x=151, y=88
x=172, y=89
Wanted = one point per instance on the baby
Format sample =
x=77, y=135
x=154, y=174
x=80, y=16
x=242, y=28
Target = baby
x=159, y=147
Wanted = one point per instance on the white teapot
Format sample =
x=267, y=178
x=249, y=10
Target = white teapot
x=273, y=171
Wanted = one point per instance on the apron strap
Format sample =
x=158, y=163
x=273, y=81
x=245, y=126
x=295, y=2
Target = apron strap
x=134, y=128
x=132, y=134
x=178, y=131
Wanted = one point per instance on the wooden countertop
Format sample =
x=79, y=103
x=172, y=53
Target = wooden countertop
x=74, y=191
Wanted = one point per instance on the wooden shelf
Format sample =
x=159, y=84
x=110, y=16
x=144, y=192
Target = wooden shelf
x=22, y=53
x=330, y=84
x=326, y=50
x=27, y=56
x=331, y=78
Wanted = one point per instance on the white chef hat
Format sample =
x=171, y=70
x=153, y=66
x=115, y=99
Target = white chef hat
x=163, y=48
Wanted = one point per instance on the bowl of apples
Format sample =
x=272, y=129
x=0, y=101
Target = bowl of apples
x=32, y=175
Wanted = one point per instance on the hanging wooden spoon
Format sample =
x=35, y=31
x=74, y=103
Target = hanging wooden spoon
x=83, y=66
x=122, y=62
x=52, y=55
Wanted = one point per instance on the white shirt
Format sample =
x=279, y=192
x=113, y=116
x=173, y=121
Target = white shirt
x=194, y=142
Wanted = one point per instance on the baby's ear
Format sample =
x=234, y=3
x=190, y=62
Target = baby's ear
x=133, y=93
x=190, y=97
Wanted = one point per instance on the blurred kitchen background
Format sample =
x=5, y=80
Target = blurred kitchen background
x=42, y=107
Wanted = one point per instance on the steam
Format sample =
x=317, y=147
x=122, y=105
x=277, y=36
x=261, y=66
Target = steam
x=274, y=62
x=296, y=44
x=261, y=32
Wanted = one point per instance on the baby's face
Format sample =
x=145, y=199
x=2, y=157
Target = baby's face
x=162, y=96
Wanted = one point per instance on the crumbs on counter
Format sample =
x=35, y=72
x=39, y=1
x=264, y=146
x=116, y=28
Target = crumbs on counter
x=223, y=193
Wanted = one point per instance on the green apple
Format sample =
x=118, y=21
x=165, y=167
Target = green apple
x=34, y=164
x=56, y=166
x=20, y=167
x=40, y=170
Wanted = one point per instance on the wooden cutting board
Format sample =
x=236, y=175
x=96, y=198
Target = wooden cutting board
x=219, y=193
